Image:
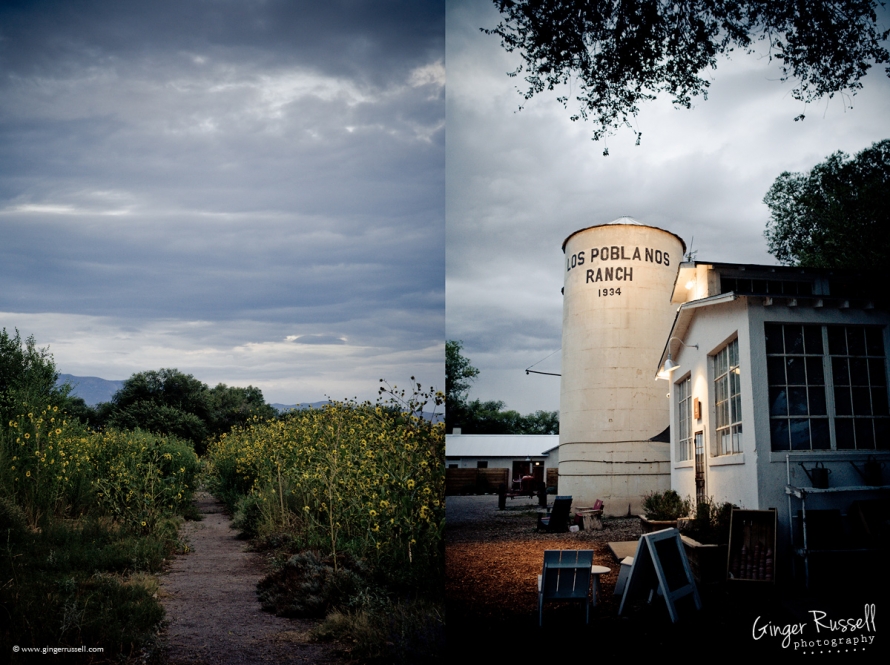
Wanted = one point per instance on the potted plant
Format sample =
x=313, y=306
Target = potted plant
x=706, y=540
x=662, y=510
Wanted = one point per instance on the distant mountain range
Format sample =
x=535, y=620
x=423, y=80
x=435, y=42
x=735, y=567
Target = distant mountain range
x=298, y=407
x=93, y=391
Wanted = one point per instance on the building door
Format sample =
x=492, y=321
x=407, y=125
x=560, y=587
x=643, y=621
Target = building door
x=521, y=469
x=701, y=493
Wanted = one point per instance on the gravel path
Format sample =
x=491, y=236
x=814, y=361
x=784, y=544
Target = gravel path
x=210, y=599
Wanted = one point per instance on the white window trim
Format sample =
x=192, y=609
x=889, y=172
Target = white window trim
x=726, y=460
x=716, y=445
x=685, y=451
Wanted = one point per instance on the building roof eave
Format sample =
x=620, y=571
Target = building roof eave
x=684, y=317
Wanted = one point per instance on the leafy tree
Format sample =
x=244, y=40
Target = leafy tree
x=163, y=419
x=619, y=53
x=230, y=406
x=477, y=417
x=490, y=417
x=26, y=373
x=164, y=401
x=171, y=402
x=169, y=387
x=835, y=216
x=459, y=373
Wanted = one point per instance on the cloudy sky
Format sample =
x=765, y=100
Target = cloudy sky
x=251, y=192
x=519, y=183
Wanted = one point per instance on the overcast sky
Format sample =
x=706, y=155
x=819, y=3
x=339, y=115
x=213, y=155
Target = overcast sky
x=250, y=192
x=519, y=183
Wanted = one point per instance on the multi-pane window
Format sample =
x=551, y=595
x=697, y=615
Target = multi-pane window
x=684, y=417
x=827, y=387
x=727, y=390
x=860, y=387
x=796, y=375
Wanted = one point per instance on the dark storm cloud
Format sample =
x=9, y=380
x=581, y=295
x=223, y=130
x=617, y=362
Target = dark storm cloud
x=228, y=174
x=375, y=41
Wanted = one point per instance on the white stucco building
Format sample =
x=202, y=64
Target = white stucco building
x=777, y=366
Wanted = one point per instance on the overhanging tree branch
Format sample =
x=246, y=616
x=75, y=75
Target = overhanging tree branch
x=625, y=52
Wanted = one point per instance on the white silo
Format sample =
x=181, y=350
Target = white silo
x=617, y=313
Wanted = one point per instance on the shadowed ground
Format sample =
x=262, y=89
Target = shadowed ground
x=210, y=599
x=493, y=559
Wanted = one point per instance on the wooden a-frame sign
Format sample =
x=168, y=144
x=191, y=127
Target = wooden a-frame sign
x=660, y=562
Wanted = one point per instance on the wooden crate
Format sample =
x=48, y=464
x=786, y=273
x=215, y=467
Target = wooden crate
x=752, y=547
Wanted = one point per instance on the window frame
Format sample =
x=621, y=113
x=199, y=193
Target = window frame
x=843, y=393
x=683, y=390
x=727, y=400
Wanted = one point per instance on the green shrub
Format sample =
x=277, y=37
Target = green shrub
x=249, y=516
x=12, y=518
x=77, y=583
x=711, y=522
x=403, y=632
x=308, y=585
x=665, y=505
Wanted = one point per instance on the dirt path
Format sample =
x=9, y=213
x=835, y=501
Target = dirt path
x=213, y=612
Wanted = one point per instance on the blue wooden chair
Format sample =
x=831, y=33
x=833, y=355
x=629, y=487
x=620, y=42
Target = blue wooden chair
x=565, y=576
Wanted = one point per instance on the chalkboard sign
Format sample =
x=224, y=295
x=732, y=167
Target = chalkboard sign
x=660, y=563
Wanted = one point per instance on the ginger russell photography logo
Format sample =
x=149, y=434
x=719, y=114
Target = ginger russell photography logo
x=822, y=633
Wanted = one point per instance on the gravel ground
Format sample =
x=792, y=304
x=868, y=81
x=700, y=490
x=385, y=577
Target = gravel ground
x=472, y=518
x=493, y=557
x=460, y=510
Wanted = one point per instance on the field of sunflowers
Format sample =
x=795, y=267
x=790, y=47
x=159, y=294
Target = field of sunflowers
x=348, y=498
x=361, y=479
x=86, y=517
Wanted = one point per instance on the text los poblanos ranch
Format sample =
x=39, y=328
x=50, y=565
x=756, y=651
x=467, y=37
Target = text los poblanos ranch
x=829, y=632
x=609, y=253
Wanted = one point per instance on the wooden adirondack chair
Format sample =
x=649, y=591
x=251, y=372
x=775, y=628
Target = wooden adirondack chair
x=566, y=576
x=557, y=520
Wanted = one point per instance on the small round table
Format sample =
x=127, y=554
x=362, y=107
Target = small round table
x=596, y=571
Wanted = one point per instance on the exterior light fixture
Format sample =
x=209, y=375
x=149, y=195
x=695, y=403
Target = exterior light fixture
x=669, y=365
x=690, y=284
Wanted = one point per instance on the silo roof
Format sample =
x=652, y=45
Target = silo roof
x=622, y=221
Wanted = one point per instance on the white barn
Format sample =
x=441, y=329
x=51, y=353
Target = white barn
x=522, y=454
